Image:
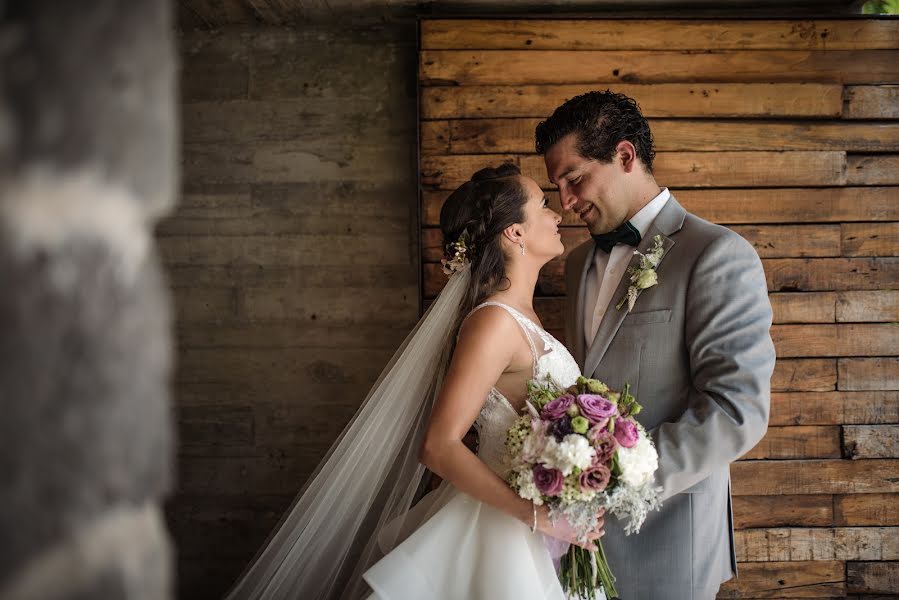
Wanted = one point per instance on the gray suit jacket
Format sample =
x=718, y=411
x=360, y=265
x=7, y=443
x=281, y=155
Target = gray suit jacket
x=698, y=354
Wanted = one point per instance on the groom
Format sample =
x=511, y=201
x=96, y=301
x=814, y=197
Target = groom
x=695, y=347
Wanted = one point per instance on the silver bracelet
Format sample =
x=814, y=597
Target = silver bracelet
x=534, y=526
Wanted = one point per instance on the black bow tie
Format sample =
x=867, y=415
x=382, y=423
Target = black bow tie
x=626, y=234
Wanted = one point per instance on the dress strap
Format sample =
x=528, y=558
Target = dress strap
x=522, y=321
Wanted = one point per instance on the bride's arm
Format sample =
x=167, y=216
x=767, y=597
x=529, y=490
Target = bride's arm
x=488, y=344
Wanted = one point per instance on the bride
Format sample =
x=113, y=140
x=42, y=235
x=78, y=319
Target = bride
x=353, y=531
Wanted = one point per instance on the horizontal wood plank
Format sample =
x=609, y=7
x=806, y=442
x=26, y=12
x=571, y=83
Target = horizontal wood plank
x=797, y=442
x=880, y=169
x=868, y=373
x=677, y=169
x=801, y=544
x=770, y=241
x=776, y=477
x=877, y=305
x=783, y=275
x=801, y=579
x=834, y=408
x=836, y=340
x=650, y=34
x=516, y=67
x=870, y=239
x=744, y=206
x=873, y=577
x=783, y=511
x=866, y=509
x=804, y=374
x=497, y=136
x=871, y=102
x=287, y=250
x=656, y=100
x=871, y=441
x=823, y=274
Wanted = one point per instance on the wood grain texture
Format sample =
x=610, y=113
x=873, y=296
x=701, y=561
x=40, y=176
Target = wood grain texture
x=873, y=577
x=773, y=477
x=866, y=509
x=802, y=544
x=834, y=408
x=478, y=136
x=516, y=67
x=677, y=169
x=650, y=34
x=871, y=441
x=745, y=206
x=783, y=511
x=656, y=100
x=797, y=442
x=871, y=102
x=869, y=373
x=854, y=339
x=800, y=579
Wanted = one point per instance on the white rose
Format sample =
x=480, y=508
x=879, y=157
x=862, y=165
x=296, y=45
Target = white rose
x=527, y=489
x=638, y=464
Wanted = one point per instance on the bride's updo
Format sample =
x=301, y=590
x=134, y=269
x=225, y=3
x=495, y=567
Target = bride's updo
x=477, y=212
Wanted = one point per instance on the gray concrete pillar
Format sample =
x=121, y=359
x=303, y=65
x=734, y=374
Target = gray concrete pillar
x=88, y=164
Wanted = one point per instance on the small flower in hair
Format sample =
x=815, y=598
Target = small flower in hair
x=460, y=257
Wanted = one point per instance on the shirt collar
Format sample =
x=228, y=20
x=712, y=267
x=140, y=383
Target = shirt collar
x=646, y=215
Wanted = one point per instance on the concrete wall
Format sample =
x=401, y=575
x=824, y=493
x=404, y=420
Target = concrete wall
x=293, y=259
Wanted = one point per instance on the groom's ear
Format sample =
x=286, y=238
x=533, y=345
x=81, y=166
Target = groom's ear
x=628, y=155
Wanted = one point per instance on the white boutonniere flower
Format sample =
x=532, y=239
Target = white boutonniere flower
x=645, y=275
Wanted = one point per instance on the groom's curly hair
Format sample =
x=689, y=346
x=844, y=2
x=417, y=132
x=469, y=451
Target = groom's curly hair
x=601, y=120
x=480, y=209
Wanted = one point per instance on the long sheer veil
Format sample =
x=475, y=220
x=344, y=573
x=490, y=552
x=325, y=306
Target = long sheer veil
x=369, y=477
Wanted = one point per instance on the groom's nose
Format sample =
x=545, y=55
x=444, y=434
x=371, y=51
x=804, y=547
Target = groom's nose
x=568, y=200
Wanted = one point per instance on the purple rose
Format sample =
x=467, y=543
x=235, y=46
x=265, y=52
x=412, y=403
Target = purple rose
x=595, y=478
x=561, y=428
x=548, y=481
x=557, y=408
x=595, y=407
x=626, y=432
x=604, y=443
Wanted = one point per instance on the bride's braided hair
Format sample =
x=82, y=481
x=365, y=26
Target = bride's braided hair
x=478, y=211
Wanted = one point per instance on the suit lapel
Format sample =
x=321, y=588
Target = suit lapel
x=578, y=344
x=668, y=221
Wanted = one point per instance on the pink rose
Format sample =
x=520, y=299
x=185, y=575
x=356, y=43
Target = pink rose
x=595, y=478
x=557, y=408
x=604, y=443
x=626, y=432
x=548, y=481
x=595, y=407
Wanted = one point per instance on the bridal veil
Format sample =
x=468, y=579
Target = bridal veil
x=368, y=478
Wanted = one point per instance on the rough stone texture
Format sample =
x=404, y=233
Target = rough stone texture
x=294, y=265
x=87, y=163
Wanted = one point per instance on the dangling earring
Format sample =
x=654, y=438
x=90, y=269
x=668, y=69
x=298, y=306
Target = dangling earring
x=522, y=248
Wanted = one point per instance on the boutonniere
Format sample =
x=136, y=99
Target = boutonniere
x=645, y=275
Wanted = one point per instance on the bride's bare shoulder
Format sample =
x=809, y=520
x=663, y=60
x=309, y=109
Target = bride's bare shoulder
x=488, y=323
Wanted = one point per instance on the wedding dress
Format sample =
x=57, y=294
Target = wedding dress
x=454, y=547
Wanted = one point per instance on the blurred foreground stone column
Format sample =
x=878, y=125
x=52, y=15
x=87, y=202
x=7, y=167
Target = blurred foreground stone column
x=88, y=164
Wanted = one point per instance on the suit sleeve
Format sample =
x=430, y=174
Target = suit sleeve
x=727, y=335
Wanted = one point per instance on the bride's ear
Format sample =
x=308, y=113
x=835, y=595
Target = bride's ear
x=514, y=233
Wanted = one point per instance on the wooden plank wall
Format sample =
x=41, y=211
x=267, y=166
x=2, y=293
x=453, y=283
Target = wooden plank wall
x=293, y=266
x=787, y=132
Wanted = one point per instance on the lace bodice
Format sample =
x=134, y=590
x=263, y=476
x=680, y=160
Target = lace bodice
x=497, y=415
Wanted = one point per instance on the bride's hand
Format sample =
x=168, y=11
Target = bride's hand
x=561, y=529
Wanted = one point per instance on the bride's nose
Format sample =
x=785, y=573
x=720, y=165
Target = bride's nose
x=558, y=217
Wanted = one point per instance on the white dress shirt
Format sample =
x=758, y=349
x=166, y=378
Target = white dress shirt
x=607, y=269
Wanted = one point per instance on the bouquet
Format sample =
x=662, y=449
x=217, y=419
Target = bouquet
x=580, y=450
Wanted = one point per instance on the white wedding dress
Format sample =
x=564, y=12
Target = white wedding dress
x=454, y=547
